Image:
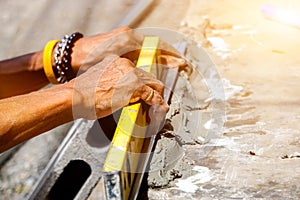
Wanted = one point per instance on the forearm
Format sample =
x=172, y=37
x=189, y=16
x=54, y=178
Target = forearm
x=22, y=74
x=25, y=116
x=25, y=73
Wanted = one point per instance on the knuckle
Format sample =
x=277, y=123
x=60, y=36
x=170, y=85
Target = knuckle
x=144, y=89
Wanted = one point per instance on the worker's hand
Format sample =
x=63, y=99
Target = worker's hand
x=123, y=42
x=111, y=85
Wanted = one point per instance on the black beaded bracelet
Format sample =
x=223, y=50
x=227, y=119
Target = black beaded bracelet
x=62, y=56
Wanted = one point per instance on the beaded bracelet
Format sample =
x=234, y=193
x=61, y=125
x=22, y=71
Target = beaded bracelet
x=62, y=56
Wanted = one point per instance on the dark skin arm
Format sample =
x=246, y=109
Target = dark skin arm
x=104, y=88
x=108, y=83
x=22, y=75
x=25, y=73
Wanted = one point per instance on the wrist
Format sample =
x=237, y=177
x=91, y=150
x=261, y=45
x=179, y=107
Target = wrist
x=36, y=61
x=77, y=55
x=77, y=100
x=61, y=52
x=63, y=95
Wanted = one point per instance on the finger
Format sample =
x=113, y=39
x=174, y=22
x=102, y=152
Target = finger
x=148, y=95
x=149, y=80
x=158, y=101
x=157, y=86
x=124, y=63
x=172, y=61
x=164, y=48
x=167, y=49
x=132, y=55
x=153, y=98
x=157, y=113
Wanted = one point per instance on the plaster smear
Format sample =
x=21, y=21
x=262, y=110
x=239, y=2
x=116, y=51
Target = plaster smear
x=188, y=123
x=196, y=116
x=167, y=162
x=191, y=121
x=231, y=90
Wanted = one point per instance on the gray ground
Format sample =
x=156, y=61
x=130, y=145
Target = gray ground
x=255, y=155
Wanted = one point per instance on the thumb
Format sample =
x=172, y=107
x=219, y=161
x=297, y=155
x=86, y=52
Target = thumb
x=172, y=61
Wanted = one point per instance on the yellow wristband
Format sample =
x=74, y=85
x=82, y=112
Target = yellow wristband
x=47, y=61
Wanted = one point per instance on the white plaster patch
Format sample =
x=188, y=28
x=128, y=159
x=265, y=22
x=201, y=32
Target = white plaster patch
x=190, y=184
x=210, y=124
x=229, y=143
x=218, y=43
x=230, y=90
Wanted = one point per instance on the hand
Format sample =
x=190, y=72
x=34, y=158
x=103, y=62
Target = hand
x=111, y=85
x=123, y=42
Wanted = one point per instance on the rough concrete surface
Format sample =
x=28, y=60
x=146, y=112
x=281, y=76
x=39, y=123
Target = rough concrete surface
x=255, y=155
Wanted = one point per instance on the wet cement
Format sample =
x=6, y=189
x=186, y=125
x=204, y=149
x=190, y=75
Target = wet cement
x=189, y=111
